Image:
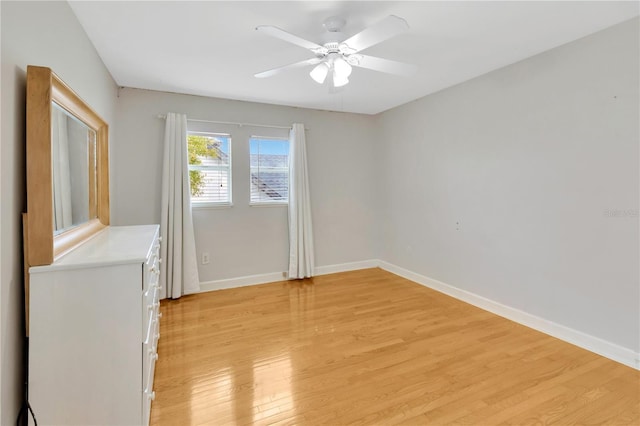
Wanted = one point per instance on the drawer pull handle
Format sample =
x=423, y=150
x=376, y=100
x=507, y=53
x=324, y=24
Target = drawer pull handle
x=159, y=238
x=151, y=396
x=159, y=314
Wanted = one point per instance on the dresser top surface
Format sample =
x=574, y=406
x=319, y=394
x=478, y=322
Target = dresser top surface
x=113, y=245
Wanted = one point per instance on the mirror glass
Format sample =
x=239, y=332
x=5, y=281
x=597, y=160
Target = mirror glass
x=73, y=158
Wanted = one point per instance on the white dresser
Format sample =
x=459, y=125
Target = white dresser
x=93, y=330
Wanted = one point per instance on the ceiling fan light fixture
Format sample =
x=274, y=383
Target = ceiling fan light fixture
x=342, y=68
x=339, y=80
x=319, y=72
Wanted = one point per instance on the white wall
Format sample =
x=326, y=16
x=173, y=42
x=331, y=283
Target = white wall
x=245, y=240
x=501, y=185
x=46, y=34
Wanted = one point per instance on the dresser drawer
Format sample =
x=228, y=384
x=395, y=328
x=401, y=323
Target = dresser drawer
x=148, y=395
x=151, y=272
x=150, y=308
x=149, y=330
x=151, y=365
x=151, y=298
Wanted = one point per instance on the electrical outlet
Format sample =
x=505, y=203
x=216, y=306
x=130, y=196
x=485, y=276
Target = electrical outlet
x=205, y=258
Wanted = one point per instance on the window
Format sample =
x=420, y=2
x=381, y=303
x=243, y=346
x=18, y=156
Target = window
x=209, y=168
x=269, y=158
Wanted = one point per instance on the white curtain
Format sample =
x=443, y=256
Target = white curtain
x=62, y=207
x=301, y=258
x=179, y=274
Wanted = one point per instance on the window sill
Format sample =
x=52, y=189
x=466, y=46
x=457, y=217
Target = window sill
x=285, y=204
x=210, y=206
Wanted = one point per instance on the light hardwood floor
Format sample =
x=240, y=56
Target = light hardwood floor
x=369, y=347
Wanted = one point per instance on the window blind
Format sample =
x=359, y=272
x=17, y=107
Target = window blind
x=269, y=168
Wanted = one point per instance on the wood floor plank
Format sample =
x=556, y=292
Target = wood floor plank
x=368, y=347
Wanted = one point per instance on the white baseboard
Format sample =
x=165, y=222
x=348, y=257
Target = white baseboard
x=345, y=267
x=240, y=281
x=278, y=276
x=602, y=347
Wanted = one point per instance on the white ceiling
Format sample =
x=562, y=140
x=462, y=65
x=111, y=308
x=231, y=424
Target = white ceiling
x=212, y=49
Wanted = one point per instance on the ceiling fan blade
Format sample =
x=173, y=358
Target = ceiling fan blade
x=385, y=65
x=274, y=71
x=291, y=38
x=378, y=32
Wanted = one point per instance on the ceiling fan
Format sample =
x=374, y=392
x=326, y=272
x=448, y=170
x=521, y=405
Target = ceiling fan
x=337, y=55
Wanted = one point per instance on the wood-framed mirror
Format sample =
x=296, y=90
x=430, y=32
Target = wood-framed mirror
x=67, y=168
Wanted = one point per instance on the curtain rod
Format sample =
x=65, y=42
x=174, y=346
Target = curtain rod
x=233, y=123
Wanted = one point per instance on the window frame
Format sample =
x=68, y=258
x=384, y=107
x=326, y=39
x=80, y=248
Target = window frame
x=195, y=204
x=269, y=203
